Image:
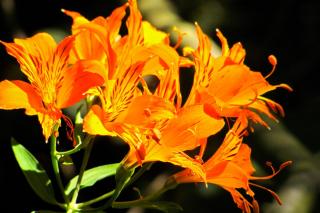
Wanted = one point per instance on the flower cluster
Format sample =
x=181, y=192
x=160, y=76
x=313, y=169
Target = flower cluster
x=99, y=63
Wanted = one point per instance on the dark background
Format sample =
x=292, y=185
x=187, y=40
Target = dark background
x=287, y=29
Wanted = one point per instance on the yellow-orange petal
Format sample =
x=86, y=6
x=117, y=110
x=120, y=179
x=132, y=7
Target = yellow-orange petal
x=190, y=125
x=183, y=160
x=146, y=110
x=31, y=53
x=224, y=43
x=242, y=159
x=166, y=154
x=81, y=77
x=134, y=25
x=86, y=46
x=41, y=45
x=18, y=94
x=237, y=53
x=204, y=47
x=47, y=123
x=94, y=122
x=226, y=152
x=160, y=58
x=237, y=85
x=152, y=35
x=114, y=22
x=78, y=19
x=234, y=173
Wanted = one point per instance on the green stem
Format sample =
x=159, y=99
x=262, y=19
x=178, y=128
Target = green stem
x=95, y=200
x=70, y=152
x=123, y=176
x=55, y=165
x=171, y=184
x=140, y=172
x=140, y=202
x=77, y=148
x=75, y=194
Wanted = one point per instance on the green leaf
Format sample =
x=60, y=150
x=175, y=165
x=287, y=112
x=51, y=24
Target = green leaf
x=34, y=173
x=91, y=176
x=123, y=177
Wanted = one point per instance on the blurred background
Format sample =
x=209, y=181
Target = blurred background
x=288, y=29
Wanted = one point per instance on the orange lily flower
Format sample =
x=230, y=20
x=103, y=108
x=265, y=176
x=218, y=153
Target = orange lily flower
x=170, y=132
x=150, y=122
x=143, y=51
x=53, y=83
x=100, y=40
x=230, y=167
x=146, y=121
x=120, y=59
x=156, y=131
x=94, y=38
x=226, y=86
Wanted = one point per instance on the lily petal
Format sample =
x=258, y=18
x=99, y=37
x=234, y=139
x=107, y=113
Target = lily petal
x=190, y=125
x=18, y=94
x=81, y=77
x=94, y=122
x=152, y=35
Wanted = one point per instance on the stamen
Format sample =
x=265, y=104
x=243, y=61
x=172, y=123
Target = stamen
x=276, y=197
x=70, y=129
x=274, y=172
x=140, y=153
x=255, y=206
x=273, y=61
x=268, y=163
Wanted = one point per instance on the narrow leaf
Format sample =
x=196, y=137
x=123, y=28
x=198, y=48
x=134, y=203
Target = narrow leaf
x=34, y=173
x=91, y=176
x=123, y=177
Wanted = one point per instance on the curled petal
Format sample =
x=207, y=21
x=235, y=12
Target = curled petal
x=78, y=19
x=224, y=43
